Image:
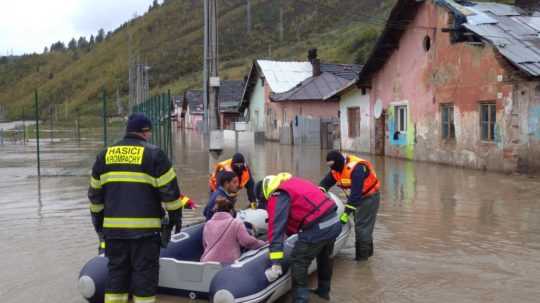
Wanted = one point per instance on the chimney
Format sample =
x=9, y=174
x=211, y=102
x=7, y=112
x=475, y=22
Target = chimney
x=315, y=62
x=528, y=5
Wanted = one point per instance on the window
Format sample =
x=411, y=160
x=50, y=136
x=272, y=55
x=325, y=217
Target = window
x=427, y=43
x=353, y=116
x=401, y=118
x=447, y=118
x=488, y=118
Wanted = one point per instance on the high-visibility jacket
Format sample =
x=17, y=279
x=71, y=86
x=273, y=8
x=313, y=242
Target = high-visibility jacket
x=227, y=166
x=343, y=178
x=307, y=205
x=131, y=183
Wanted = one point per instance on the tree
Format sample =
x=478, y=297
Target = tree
x=58, y=47
x=72, y=45
x=92, y=42
x=82, y=43
x=45, y=50
x=154, y=5
x=100, y=36
x=109, y=35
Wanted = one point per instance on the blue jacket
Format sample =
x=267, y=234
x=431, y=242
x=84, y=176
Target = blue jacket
x=209, y=210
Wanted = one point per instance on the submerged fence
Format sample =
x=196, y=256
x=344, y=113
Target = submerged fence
x=45, y=126
x=159, y=109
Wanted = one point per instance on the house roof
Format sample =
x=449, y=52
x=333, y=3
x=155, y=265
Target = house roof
x=403, y=12
x=194, y=99
x=284, y=75
x=515, y=34
x=230, y=95
x=345, y=71
x=319, y=88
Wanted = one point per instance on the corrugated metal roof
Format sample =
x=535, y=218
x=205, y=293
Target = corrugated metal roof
x=284, y=75
x=318, y=88
x=515, y=35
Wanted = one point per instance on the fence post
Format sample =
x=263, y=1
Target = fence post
x=51, y=122
x=36, y=105
x=24, y=126
x=104, y=100
x=169, y=125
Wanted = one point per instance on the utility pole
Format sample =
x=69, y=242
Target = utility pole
x=281, y=25
x=211, y=80
x=248, y=17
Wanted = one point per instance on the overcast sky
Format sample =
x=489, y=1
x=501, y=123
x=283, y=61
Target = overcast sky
x=27, y=26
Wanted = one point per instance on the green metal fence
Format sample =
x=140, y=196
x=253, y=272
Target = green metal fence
x=159, y=110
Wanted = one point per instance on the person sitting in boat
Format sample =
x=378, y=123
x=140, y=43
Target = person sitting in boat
x=228, y=190
x=224, y=236
x=238, y=165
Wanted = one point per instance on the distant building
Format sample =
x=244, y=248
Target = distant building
x=230, y=96
x=457, y=82
x=287, y=101
x=192, y=110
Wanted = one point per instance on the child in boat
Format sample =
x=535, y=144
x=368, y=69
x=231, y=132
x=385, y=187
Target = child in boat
x=229, y=185
x=224, y=236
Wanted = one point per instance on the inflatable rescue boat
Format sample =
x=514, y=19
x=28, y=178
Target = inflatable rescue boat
x=182, y=274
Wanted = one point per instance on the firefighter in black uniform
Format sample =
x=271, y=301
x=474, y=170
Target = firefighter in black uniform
x=132, y=185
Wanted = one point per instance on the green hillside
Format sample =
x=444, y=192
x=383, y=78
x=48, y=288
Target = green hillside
x=169, y=39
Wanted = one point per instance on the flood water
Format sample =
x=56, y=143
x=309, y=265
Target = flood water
x=443, y=234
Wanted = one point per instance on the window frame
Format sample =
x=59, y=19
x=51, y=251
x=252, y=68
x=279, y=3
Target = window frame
x=492, y=113
x=398, y=119
x=450, y=133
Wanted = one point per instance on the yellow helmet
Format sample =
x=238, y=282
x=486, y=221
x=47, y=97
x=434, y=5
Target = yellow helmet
x=272, y=182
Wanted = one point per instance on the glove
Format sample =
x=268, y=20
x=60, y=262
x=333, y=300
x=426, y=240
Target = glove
x=101, y=248
x=166, y=231
x=188, y=202
x=349, y=209
x=273, y=273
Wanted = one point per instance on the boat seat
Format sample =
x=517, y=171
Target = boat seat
x=196, y=276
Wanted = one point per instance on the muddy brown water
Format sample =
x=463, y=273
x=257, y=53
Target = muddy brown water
x=443, y=234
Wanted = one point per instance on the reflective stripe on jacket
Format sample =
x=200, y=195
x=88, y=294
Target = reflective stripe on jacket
x=132, y=181
x=344, y=178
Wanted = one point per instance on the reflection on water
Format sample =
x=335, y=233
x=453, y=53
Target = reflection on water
x=443, y=234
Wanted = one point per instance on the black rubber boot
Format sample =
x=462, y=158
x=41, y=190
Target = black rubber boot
x=362, y=252
x=321, y=293
x=322, y=290
x=371, y=249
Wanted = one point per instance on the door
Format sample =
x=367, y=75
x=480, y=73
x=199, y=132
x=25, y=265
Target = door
x=380, y=134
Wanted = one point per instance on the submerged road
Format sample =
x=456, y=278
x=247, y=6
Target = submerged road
x=443, y=234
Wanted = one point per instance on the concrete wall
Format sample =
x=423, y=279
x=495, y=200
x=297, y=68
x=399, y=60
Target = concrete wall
x=281, y=115
x=463, y=74
x=257, y=107
x=354, y=98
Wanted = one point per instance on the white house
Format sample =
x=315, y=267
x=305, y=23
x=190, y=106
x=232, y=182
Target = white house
x=355, y=119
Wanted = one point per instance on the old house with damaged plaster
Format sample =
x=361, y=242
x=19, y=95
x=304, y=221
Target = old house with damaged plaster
x=457, y=82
